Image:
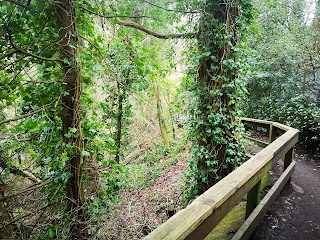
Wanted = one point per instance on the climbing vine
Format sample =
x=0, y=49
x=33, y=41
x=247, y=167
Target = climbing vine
x=218, y=88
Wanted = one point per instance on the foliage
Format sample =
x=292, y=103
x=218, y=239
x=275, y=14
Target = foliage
x=283, y=77
x=118, y=83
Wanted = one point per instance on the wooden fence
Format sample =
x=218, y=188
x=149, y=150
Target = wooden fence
x=198, y=219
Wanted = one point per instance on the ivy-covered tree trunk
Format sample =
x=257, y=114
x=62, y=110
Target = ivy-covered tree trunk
x=121, y=100
x=71, y=117
x=217, y=150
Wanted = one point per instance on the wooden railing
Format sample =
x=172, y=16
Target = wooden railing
x=198, y=219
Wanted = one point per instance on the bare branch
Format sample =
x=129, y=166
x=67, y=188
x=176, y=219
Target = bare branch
x=8, y=54
x=156, y=34
x=39, y=57
x=28, y=214
x=141, y=28
x=30, y=188
x=26, y=115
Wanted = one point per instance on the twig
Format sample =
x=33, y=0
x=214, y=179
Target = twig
x=39, y=57
x=26, y=52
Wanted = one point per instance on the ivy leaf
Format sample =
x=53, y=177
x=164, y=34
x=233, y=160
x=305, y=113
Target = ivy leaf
x=73, y=130
x=85, y=153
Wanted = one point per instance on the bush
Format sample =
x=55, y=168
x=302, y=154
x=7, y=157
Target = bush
x=298, y=112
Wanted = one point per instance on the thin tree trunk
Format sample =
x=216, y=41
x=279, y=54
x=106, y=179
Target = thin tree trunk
x=6, y=230
x=71, y=117
x=162, y=124
x=173, y=120
x=119, y=122
x=304, y=81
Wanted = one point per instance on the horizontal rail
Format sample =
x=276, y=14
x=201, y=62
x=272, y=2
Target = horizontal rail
x=267, y=123
x=257, y=142
x=198, y=219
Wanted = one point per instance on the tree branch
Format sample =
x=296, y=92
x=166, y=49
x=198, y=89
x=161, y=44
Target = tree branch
x=30, y=188
x=9, y=54
x=169, y=10
x=39, y=57
x=141, y=28
x=17, y=50
x=115, y=16
x=156, y=34
x=26, y=115
x=28, y=214
x=17, y=171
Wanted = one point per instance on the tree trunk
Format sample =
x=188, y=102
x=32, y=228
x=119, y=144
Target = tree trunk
x=162, y=123
x=6, y=230
x=121, y=97
x=172, y=118
x=71, y=117
x=216, y=86
x=304, y=81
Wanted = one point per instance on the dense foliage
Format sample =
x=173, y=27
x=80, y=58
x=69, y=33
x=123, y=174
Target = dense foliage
x=96, y=97
x=283, y=81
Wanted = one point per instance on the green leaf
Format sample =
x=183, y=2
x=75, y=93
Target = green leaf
x=85, y=153
x=73, y=130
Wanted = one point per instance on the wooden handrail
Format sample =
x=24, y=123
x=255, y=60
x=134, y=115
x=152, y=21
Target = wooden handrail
x=198, y=219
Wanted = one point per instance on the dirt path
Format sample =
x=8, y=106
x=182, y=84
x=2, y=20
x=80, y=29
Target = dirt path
x=295, y=215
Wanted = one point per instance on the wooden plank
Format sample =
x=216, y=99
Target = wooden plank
x=206, y=211
x=259, y=122
x=265, y=122
x=253, y=220
x=282, y=126
x=257, y=142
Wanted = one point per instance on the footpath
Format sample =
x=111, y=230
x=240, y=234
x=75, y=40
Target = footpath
x=295, y=215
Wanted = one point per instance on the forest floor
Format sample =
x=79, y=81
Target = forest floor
x=139, y=211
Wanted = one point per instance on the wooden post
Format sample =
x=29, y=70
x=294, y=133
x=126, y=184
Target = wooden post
x=288, y=157
x=272, y=134
x=253, y=199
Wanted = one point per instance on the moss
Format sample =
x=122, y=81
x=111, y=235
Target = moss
x=234, y=219
x=230, y=224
